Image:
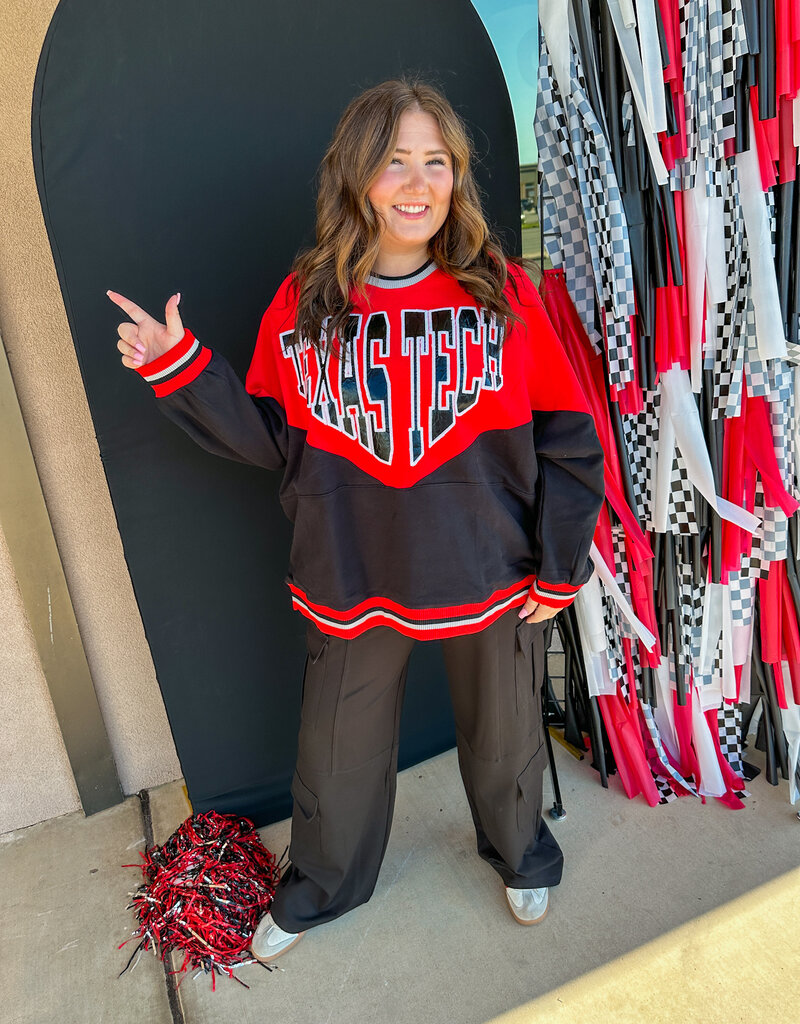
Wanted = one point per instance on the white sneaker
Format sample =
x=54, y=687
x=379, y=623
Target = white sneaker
x=528, y=906
x=270, y=941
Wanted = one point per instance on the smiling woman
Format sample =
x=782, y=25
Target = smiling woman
x=412, y=195
x=364, y=177
x=443, y=475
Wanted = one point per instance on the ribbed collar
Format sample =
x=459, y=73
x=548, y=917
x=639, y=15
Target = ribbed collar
x=383, y=281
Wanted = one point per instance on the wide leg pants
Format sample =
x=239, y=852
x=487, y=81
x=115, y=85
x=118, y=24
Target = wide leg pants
x=345, y=780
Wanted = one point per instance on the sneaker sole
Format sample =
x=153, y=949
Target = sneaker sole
x=536, y=920
x=274, y=956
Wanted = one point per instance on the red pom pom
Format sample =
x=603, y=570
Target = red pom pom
x=205, y=891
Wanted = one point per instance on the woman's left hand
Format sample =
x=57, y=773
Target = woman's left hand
x=532, y=611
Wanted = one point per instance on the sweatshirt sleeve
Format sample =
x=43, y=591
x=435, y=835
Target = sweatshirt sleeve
x=198, y=389
x=570, y=483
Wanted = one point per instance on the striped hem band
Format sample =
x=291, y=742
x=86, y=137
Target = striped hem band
x=418, y=623
x=177, y=367
x=556, y=595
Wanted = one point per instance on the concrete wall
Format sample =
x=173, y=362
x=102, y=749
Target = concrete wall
x=36, y=778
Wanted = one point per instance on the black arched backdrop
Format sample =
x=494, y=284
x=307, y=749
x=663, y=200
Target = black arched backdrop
x=175, y=148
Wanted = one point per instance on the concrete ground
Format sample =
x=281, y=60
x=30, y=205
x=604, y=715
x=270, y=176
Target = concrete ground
x=676, y=913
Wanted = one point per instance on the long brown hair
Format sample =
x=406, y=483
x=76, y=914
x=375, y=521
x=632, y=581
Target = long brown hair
x=349, y=230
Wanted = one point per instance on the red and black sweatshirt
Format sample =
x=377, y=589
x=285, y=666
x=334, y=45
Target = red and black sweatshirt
x=435, y=472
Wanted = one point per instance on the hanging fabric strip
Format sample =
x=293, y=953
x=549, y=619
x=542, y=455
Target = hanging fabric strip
x=652, y=728
x=705, y=371
x=664, y=713
x=684, y=421
x=782, y=413
x=633, y=65
x=627, y=12
x=583, y=158
x=715, y=268
x=796, y=429
x=664, y=452
x=612, y=586
x=736, y=318
x=711, y=781
x=652, y=70
x=729, y=685
x=796, y=120
x=734, y=784
x=743, y=652
x=563, y=227
x=711, y=626
x=790, y=718
x=684, y=173
x=588, y=606
x=769, y=320
x=729, y=724
x=696, y=224
x=723, y=68
x=554, y=19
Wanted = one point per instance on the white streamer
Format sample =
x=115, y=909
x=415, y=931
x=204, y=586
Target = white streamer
x=678, y=402
x=605, y=574
x=764, y=283
x=651, y=65
x=664, y=712
x=628, y=13
x=554, y=19
x=790, y=717
x=588, y=606
x=696, y=220
x=711, y=626
x=711, y=781
x=665, y=454
x=728, y=671
x=631, y=58
x=796, y=120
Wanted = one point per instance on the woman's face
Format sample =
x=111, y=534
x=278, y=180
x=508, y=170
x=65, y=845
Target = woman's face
x=412, y=194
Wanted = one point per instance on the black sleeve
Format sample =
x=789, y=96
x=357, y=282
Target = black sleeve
x=198, y=389
x=569, y=495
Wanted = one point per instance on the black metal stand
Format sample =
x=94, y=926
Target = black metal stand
x=557, y=812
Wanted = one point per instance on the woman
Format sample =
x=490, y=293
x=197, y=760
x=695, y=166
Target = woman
x=444, y=478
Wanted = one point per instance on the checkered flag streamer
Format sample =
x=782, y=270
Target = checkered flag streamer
x=669, y=262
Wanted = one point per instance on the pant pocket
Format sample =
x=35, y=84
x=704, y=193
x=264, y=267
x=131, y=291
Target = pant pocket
x=524, y=677
x=529, y=791
x=314, y=673
x=305, y=818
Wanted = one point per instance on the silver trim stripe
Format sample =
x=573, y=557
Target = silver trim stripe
x=402, y=282
x=554, y=595
x=410, y=623
x=178, y=363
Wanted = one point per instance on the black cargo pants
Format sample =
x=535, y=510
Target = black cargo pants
x=344, y=785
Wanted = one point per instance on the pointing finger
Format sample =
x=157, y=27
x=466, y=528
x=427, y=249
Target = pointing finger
x=136, y=313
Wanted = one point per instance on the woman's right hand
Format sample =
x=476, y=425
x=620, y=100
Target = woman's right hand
x=146, y=339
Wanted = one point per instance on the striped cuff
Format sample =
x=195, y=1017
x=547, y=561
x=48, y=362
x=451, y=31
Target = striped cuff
x=555, y=595
x=177, y=367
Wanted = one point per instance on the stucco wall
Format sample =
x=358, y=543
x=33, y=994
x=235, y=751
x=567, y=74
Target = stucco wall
x=53, y=403
x=36, y=779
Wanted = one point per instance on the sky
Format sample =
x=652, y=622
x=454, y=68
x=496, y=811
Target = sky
x=513, y=28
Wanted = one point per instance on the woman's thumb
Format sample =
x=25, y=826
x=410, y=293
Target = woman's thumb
x=174, y=322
